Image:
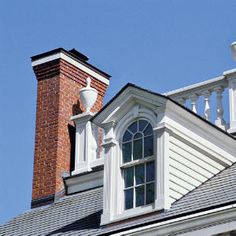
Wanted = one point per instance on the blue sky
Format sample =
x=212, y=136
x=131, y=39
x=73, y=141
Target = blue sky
x=159, y=45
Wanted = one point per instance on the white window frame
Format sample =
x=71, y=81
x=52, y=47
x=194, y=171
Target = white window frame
x=113, y=209
x=134, y=163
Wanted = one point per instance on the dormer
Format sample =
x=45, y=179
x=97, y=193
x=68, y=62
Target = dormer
x=155, y=152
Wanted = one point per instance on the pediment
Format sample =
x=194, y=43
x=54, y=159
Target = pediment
x=130, y=98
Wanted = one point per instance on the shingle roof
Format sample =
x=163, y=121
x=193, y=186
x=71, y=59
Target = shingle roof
x=79, y=214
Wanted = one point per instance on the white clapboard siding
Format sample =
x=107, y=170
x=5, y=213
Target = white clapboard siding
x=196, y=156
x=175, y=186
x=189, y=164
x=188, y=168
x=185, y=169
x=175, y=195
x=181, y=182
x=174, y=171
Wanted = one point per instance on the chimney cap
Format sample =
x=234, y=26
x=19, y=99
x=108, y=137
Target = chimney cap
x=74, y=54
x=78, y=54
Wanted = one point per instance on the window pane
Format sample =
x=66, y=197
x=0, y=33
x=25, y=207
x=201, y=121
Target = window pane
x=138, y=135
x=127, y=136
x=133, y=127
x=148, y=130
x=150, y=171
x=137, y=149
x=129, y=176
x=129, y=198
x=139, y=191
x=148, y=146
x=142, y=124
x=149, y=193
x=139, y=174
x=126, y=150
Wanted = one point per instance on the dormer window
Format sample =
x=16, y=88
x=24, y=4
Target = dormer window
x=138, y=165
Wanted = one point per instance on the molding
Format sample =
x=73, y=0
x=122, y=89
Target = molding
x=192, y=222
x=202, y=145
x=133, y=213
x=126, y=98
x=84, y=182
x=72, y=61
x=230, y=73
x=198, y=87
x=178, y=117
x=82, y=118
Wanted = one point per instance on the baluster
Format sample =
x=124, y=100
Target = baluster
x=220, y=122
x=193, y=99
x=207, y=111
x=181, y=101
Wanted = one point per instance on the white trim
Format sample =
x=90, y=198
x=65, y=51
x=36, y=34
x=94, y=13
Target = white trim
x=84, y=182
x=197, y=86
x=172, y=225
x=73, y=62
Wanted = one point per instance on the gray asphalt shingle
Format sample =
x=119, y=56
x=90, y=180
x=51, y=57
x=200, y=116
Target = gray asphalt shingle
x=79, y=214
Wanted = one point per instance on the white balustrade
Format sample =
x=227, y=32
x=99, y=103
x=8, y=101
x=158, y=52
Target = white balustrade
x=193, y=98
x=207, y=111
x=220, y=122
x=208, y=90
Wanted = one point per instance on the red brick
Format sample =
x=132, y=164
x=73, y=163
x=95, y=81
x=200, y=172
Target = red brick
x=59, y=83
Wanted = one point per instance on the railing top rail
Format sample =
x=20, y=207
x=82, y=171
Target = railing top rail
x=199, y=87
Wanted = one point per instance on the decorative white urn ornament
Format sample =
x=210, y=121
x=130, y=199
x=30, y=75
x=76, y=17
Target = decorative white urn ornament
x=233, y=50
x=88, y=96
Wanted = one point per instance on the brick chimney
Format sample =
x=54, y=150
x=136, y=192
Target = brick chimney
x=60, y=75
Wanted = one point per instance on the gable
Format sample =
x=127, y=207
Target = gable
x=128, y=97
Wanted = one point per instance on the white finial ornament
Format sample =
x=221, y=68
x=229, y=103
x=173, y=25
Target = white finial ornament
x=233, y=50
x=88, y=96
x=88, y=80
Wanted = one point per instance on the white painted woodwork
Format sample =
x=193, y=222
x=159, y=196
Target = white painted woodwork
x=193, y=98
x=84, y=182
x=217, y=222
x=183, y=176
x=181, y=181
x=207, y=110
x=85, y=145
x=205, y=89
x=187, y=150
x=233, y=50
x=220, y=122
x=196, y=168
x=88, y=96
x=232, y=102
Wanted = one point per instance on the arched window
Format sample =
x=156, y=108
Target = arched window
x=138, y=164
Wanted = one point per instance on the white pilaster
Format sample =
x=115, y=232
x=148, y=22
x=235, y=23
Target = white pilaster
x=109, y=178
x=162, y=168
x=86, y=145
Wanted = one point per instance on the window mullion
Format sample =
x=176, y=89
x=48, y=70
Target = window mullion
x=142, y=146
x=132, y=149
x=145, y=183
x=134, y=193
